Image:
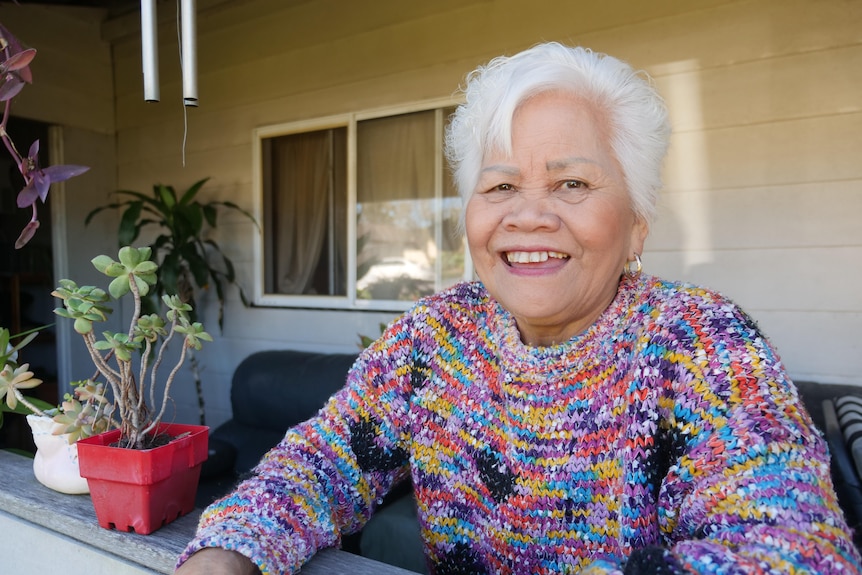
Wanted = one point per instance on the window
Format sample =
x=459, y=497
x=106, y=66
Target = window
x=358, y=211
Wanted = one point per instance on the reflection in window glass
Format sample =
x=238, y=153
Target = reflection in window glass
x=395, y=220
x=404, y=239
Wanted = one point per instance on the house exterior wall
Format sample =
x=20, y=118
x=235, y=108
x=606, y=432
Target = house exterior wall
x=763, y=181
x=72, y=72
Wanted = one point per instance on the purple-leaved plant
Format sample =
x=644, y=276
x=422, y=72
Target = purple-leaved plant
x=14, y=74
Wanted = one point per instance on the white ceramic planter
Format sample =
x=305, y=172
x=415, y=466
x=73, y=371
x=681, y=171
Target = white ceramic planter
x=56, y=461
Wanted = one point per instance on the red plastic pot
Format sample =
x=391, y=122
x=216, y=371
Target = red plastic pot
x=141, y=490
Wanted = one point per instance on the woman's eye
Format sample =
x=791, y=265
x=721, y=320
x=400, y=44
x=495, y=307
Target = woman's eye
x=574, y=185
x=498, y=188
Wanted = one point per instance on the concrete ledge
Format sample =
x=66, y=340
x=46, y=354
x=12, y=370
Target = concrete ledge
x=60, y=532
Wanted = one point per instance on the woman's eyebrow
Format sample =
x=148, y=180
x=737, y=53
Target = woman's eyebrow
x=501, y=169
x=554, y=165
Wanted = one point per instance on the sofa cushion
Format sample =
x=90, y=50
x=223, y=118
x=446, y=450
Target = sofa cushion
x=271, y=391
x=277, y=389
x=249, y=444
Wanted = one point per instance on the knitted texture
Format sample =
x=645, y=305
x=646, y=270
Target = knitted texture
x=665, y=439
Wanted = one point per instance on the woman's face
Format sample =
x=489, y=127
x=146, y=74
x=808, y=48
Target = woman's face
x=551, y=227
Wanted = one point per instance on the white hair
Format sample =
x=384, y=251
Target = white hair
x=637, y=115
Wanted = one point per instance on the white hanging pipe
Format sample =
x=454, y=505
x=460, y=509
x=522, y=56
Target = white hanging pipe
x=189, y=52
x=150, y=50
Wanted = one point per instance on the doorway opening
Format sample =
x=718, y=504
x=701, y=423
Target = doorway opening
x=26, y=279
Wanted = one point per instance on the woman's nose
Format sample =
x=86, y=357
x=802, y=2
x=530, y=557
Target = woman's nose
x=531, y=211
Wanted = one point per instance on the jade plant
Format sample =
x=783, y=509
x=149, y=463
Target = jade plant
x=133, y=363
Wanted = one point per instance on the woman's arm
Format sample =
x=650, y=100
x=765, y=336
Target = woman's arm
x=326, y=476
x=751, y=488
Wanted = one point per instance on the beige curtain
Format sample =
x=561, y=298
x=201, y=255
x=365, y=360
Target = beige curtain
x=301, y=191
x=395, y=164
x=395, y=158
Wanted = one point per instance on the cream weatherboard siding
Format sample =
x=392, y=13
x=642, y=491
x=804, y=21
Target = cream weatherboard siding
x=763, y=190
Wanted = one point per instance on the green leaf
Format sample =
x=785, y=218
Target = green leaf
x=211, y=214
x=169, y=272
x=119, y=287
x=189, y=194
x=22, y=409
x=96, y=211
x=143, y=285
x=188, y=223
x=130, y=257
x=142, y=197
x=230, y=273
x=174, y=302
x=83, y=326
x=197, y=265
x=246, y=213
x=102, y=263
x=146, y=267
x=167, y=195
x=128, y=231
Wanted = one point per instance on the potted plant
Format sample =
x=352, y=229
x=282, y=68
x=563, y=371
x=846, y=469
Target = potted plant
x=189, y=261
x=55, y=429
x=83, y=413
x=144, y=474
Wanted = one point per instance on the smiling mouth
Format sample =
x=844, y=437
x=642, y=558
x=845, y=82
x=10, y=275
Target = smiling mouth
x=534, y=257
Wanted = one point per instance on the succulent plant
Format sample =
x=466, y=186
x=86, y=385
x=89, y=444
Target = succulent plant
x=15, y=377
x=130, y=362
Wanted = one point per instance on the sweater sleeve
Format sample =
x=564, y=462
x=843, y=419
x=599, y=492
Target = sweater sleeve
x=749, y=488
x=327, y=475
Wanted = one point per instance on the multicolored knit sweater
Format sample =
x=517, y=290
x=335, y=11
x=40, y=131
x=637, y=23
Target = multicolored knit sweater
x=665, y=439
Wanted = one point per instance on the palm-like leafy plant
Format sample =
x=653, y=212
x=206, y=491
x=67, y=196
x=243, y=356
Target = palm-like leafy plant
x=188, y=261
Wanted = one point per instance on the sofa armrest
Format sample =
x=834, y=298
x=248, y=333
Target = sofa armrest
x=845, y=477
x=848, y=408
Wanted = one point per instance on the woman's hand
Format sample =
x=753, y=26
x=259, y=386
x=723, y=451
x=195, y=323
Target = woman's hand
x=215, y=561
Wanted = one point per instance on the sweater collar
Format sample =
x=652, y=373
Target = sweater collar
x=607, y=328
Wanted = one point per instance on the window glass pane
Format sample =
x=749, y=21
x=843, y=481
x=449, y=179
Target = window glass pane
x=305, y=197
x=395, y=210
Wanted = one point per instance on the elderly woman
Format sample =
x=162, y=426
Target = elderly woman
x=567, y=413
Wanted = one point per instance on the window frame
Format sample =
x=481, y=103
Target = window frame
x=349, y=121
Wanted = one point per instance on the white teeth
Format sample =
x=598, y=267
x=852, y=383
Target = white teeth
x=533, y=257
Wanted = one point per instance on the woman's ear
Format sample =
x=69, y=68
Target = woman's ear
x=640, y=231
